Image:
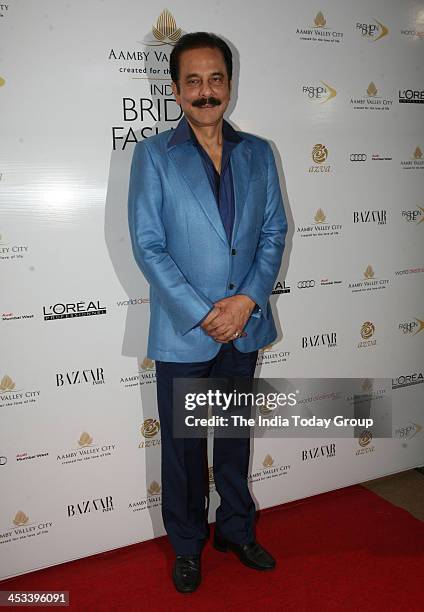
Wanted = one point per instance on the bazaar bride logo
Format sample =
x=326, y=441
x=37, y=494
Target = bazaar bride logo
x=165, y=31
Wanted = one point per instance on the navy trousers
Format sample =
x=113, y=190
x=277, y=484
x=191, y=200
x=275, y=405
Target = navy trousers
x=184, y=462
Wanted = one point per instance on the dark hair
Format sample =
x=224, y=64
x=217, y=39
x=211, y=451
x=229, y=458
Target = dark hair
x=199, y=40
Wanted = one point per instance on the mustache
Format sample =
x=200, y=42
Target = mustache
x=203, y=101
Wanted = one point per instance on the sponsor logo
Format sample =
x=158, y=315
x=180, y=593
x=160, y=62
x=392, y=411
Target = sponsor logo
x=328, y=339
x=327, y=282
x=86, y=450
x=321, y=93
x=326, y=451
x=98, y=504
x=367, y=333
x=411, y=96
x=25, y=456
x=269, y=355
x=280, y=287
x=370, y=216
x=369, y=282
x=416, y=162
x=364, y=443
x=10, y=251
x=412, y=327
x=371, y=100
x=372, y=31
x=358, y=157
x=413, y=33
x=70, y=310
x=133, y=302
x=146, y=375
x=149, y=430
x=268, y=469
x=151, y=500
x=406, y=380
x=319, y=227
x=306, y=284
x=414, y=216
x=11, y=316
x=10, y=395
x=77, y=377
x=23, y=528
x=319, y=156
x=320, y=31
x=409, y=431
x=408, y=271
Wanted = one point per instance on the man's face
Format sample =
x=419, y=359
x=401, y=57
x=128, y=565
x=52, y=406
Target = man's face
x=204, y=88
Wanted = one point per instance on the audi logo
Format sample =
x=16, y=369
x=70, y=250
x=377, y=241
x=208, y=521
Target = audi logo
x=305, y=284
x=358, y=157
x=3, y=460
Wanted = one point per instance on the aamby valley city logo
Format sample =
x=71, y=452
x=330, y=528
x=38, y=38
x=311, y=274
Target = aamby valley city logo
x=267, y=470
x=371, y=100
x=2, y=81
x=153, y=60
x=11, y=251
x=368, y=282
x=319, y=156
x=415, y=162
x=146, y=375
x=319, y=31
x=23, y=528
x=153, y=499
x=86, y=449
x=156, y=110
x=319, y=93
x=365, y=393
x=372, y=31
x=319, y=227
x=11, y=395
x=270, y=355
x=367, y=334
x=149, y=431
x=364, y=443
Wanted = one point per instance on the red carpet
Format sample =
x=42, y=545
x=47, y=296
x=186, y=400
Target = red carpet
x=344, y=550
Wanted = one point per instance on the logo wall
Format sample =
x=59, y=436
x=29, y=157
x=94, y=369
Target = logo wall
x=157, y=109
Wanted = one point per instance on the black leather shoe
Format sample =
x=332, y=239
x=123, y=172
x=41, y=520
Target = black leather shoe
x=186, y=573
x=253, y=554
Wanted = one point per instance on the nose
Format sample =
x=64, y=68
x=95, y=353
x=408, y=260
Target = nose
x=205, y=89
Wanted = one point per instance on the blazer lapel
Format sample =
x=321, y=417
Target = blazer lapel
x=190, y=166
x=240, y=166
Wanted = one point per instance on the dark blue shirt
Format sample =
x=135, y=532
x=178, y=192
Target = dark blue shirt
x=221, y=183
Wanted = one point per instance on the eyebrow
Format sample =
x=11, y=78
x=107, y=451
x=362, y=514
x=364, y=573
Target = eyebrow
x=195, y=74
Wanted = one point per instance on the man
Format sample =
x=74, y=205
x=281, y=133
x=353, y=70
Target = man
x=208, y=227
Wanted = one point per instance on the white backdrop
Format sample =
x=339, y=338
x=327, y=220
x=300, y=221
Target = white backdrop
x=338, y=90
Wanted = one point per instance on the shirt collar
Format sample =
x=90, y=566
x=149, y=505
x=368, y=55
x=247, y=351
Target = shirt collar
x=184, y=133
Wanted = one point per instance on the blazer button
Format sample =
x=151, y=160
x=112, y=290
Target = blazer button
x=231, y=286
x=233, y=251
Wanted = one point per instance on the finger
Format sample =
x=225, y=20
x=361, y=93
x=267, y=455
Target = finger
x=217, y=326
x=211, y=317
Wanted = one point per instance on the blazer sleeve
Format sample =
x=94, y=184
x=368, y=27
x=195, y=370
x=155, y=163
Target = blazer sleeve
x=186, y=306
x=259, y=281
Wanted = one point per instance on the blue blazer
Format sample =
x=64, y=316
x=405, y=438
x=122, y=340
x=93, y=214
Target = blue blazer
x=180, y=243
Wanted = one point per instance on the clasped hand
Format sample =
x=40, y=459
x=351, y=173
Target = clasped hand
x=228, y=318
